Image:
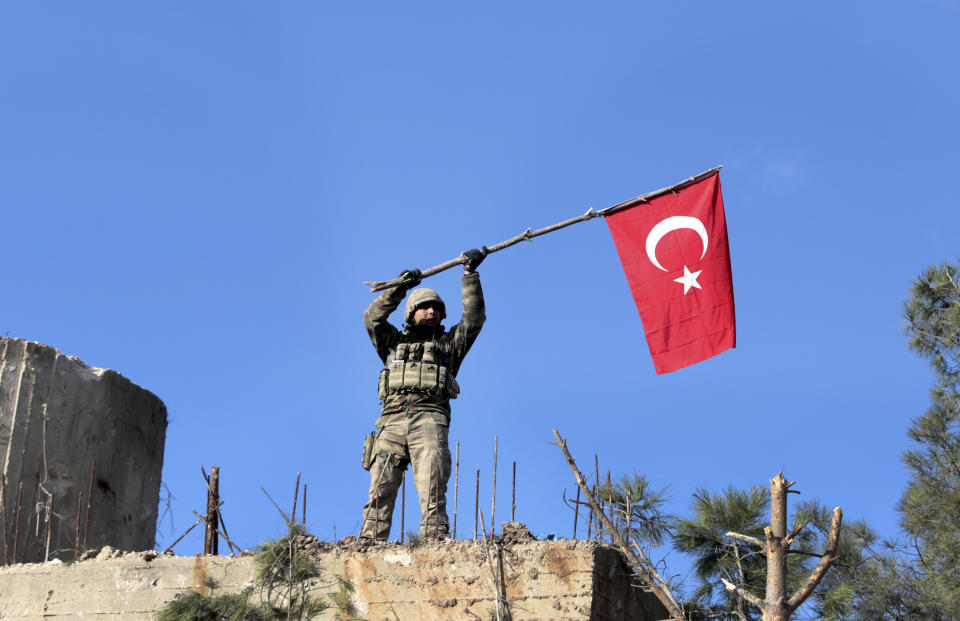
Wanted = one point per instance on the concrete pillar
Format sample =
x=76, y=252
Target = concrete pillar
x=58, y=416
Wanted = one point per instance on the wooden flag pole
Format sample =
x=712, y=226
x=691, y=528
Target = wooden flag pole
x=528, y=235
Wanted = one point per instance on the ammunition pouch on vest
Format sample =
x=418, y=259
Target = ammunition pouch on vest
x=368, y=441
x=425, y=376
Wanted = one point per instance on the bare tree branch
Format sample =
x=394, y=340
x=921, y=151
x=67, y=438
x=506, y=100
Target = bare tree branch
x=746, y=539
x=829, y=557
x=742, y=592
x=736, y=552
x=793, y=533
x=648, y=574
x=528, y=235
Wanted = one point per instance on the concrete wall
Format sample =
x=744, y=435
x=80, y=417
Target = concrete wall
x=449, y=580
x=57, y=416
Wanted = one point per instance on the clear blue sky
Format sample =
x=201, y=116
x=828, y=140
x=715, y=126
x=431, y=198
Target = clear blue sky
x=192, y=194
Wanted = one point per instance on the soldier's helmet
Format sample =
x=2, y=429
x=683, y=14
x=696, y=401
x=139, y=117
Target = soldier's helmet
x=421, y=297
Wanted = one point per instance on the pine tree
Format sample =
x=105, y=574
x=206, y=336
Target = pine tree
x=636, y=509
x=918, y=575
x=714, y=556
x=930, y=506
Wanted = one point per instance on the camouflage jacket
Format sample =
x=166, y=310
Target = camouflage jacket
x=451, y=346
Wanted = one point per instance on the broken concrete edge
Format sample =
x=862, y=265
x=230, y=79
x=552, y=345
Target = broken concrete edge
x=312, y=545
x=98, y=371
x=512, y=533
x=449, y=579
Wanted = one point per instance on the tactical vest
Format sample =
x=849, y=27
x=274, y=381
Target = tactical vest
x=420, y=367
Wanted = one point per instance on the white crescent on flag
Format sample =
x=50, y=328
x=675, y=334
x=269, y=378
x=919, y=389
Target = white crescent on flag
x=674, y=223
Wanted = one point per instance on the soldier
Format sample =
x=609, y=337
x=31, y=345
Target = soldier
x=416, y=385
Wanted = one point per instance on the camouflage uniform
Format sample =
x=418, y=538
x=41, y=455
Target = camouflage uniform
x=414, y=423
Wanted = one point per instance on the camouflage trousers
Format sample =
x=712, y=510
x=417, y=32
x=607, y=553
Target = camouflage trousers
x=418, y=438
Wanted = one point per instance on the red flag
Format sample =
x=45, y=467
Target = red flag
x=675, y=255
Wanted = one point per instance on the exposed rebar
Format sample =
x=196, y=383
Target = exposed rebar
x=609, y=501
x=46, y=550
x=493, y=501
x=513, y=493
x=86, y=520
x=16, y=523
x=476, y=505
x=185, y=533
x=576, y=514
x=596, y=490
x=456, y=491
x=296, y=494
x=210, y=539
x=76, y=536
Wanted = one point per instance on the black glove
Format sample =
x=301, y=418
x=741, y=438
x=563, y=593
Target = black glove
x=474, y=257
x=410, y=278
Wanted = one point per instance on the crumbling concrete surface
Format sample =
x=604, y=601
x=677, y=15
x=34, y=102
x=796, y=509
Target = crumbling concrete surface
x=57, y=416
x=571, y=580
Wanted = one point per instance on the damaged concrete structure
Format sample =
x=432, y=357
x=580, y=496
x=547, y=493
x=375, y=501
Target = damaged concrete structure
x=59, y=417
x=450, y=580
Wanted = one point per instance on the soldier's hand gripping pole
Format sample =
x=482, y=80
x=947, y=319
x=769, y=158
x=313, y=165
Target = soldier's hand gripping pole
x=466, y=258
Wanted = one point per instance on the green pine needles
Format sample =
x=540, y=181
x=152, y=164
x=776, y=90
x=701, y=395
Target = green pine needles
x=286, y=577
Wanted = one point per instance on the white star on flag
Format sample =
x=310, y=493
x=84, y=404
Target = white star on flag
x=688, y=280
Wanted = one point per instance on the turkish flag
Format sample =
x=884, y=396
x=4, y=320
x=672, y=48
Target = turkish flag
x=675, y=254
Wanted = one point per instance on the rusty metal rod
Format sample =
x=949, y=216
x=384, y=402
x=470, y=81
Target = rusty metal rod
x=76, y=536
x=213, y=500
x=596, y=489
x=215, y=484
x=476, y=505
x=456, y=491
x=610, y=501
x=86, y=524
x=230, y=544
x=304, y=510
x=222, y=522
x=296, y=494
x=513, y=494
x=493, y=501
x=576, y=514
x=183, y=535
x=46, y=551
x=403, y=504
x=223, y=525
x=590, y=521
x=36, y=509
x=16, y=524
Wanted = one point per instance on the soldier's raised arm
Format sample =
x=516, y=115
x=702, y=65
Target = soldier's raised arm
x=382, y=333
x=474, y=311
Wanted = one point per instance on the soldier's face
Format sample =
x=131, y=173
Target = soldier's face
x=427, y=315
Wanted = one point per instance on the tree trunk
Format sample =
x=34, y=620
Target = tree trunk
x=776, y=606
x=775, y=609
